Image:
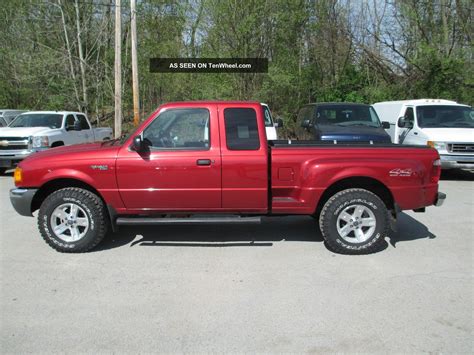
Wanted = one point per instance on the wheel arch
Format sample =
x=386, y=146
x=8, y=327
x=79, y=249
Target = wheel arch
x=361, y=182
x=59, y=183
x=57, y=144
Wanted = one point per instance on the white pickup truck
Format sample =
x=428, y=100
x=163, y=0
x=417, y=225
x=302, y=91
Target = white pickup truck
x=39, y=130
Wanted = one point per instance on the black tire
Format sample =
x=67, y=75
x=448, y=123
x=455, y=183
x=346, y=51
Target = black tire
x=2, y=171
x=333, y=216
x=89, y=204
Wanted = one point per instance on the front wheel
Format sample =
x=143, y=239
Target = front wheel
x=354, y=221
x=72, y=220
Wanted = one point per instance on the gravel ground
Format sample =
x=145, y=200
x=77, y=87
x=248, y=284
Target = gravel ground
x=267, y=288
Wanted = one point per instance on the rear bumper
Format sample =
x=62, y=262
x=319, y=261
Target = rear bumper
x=21, y=200
x=440, y=197
x=457, y=161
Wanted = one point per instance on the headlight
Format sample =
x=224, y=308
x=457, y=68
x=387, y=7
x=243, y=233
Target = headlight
x=40, y=142
x=437, y=145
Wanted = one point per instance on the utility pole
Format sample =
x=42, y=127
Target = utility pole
x=136, y=102
x=118, y=70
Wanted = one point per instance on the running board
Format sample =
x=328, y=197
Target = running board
x=123, y=221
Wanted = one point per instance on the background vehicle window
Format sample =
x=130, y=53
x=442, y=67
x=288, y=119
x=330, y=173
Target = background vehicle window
x=38, y=120
x=306, y=113
x=268, y=116
x=409, y=115
x=179, y=129
x=347, y=115
x=241, y=129
x=83, y=121
x=444, y=116
x=70, y=120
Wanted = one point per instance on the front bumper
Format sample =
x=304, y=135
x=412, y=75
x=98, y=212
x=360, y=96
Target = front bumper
x=21, y=200
x=457, y=161
x=9, y=158
x=440, y=197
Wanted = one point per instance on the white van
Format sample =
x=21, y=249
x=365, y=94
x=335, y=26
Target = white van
x=441, y=124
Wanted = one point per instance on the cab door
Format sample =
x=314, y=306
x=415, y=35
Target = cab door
x=72, y=136
x=244, y=158
x=182, y=169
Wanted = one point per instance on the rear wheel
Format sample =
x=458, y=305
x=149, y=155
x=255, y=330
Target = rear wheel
x=354, y=221
x=72, y=220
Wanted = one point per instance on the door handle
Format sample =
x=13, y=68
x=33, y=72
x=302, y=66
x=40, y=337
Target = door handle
x=203, y=162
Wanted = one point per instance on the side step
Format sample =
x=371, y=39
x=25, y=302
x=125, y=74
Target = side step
x=137, y=221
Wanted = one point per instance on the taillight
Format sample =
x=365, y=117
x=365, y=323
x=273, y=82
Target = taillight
x=435, y=171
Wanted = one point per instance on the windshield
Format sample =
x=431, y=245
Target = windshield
x=347, y=115
x=444, y=116
x=38, y=120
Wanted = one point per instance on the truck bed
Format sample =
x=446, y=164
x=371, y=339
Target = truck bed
x=301, y=172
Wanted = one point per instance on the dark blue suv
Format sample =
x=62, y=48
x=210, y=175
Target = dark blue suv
x=342, y=122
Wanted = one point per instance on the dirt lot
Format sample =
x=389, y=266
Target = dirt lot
x=268, y=288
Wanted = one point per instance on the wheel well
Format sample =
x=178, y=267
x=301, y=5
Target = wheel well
x=361, y=182
x=57, y=144
x=57, y=184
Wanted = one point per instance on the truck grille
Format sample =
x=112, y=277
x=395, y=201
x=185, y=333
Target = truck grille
x=13, y=143
x=461, y=148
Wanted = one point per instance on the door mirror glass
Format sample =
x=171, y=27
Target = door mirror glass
x=305, y=124
x=138, y=144
x=278, y=123
x=402, y=122
x=385, y=125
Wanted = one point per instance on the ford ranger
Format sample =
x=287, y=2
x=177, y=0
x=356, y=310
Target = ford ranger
x=35, y=131
x=210, y=162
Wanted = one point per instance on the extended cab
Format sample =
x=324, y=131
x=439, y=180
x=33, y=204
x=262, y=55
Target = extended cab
x=210, y=162
x=36, y=131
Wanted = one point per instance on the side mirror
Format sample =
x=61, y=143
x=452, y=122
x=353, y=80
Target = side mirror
x=385, y=125
x=305, y=124
x=278, y=123
x=137, y=144
x=404, y=123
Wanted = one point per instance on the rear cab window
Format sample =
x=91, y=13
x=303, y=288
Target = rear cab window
x=241, y=129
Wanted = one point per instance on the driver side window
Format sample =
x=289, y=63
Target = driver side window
x=409, y=115
x=70, y=121
x=179, y=129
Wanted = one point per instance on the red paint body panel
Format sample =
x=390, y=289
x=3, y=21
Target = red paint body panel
x=315, y=169
x=236, y=181
x=244, y=173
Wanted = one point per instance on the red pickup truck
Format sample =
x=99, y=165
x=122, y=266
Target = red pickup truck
x=210, y=162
